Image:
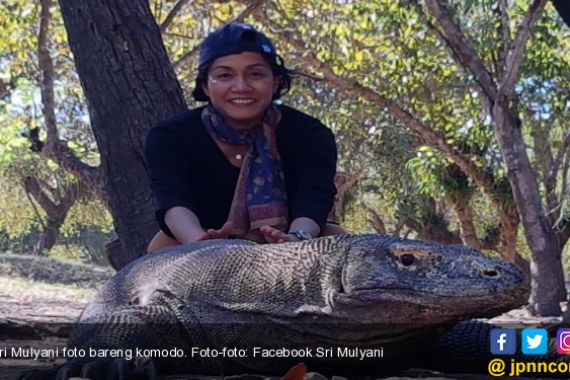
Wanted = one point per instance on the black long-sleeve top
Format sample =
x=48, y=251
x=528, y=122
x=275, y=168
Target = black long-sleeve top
x=187, y=168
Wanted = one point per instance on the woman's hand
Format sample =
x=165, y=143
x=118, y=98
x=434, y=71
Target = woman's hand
x=222, y=233
x=273, y=235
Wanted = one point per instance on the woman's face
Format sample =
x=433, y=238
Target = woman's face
x=241, y=88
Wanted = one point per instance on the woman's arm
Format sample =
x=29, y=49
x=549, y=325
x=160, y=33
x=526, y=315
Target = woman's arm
x=184, y=225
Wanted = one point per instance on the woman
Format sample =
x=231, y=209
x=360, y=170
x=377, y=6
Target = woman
x=241, y=166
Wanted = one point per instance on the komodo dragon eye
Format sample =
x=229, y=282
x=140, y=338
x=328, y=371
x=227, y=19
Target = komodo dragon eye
x=407, y=259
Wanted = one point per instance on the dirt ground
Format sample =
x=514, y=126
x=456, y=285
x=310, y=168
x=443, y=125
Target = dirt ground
x=35, y=289
x=42, y=297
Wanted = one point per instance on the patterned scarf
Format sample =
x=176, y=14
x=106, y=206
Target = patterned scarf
x=259, y=198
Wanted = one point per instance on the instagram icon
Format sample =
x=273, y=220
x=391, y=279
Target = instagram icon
x=563, y=341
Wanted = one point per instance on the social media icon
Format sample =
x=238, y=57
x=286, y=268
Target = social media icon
x=504, y=341
x=534, y=341
x=563, y=341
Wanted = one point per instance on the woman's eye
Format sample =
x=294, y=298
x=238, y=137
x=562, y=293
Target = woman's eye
x=223, y=76
x=258, y=75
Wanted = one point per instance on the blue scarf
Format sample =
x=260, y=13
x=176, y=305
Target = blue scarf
x=260, y=197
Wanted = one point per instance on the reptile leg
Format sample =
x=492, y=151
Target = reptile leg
x=39, y=374
x=69, y=370
x=95, y=369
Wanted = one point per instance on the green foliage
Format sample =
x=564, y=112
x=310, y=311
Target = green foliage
x=17, y=217
x=383, y=45
x=85, y=244
x=21, y=112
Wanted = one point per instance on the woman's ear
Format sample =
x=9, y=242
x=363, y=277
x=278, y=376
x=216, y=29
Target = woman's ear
x=205, y=89
x=276, y=81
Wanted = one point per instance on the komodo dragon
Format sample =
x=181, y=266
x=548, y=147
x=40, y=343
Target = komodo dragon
x=343, y=293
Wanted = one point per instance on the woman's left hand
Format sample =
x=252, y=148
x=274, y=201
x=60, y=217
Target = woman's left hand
x=273, y=235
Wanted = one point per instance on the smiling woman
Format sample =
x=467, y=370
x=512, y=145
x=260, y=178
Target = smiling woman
x=241, y=88
x=241, y=166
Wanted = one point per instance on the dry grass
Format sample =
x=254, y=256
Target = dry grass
x=26, y=289
x=42, y=290
x=51, y=271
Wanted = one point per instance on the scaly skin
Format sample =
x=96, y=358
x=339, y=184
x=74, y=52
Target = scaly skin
x=365, y=291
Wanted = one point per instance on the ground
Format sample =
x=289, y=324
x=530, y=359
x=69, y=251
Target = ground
x=42, y=297
x=40, y=289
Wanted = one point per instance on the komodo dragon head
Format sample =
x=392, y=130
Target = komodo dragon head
x=408, y=281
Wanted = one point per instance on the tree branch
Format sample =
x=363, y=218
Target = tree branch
x=47, y=71
x=249, y=10
x=564, y=235
x=310, y=76
x=562, y=225
x=186, y=57
x=514, y=58
x=54, y=148
x=72, y=191
x=565, y=174
x=35, y=208
x=505, y=33
x=552, y=174
x=33, y=187
x=545, y=160
x=460, y=46
x=177, y=35
x=172, y=14
x=375, y=220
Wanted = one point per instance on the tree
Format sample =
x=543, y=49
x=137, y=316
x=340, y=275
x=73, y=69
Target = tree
x=496, y=90
x=47, y=192
x=499, y=99
x=417, y=81
x=130, y=86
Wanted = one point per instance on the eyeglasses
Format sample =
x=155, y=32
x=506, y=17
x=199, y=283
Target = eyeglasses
x=252, y=78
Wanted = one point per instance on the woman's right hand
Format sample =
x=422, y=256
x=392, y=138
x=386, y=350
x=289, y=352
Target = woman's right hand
x=222, y=233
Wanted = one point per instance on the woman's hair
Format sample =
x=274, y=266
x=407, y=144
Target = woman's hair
x=277, y=68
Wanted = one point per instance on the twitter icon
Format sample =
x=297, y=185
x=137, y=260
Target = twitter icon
x=534, y=341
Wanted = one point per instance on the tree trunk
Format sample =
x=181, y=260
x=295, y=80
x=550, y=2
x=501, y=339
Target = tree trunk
x=508, y=231
x=464, y=212
x=508, y=228
x=130, y=85
x=55, y=206
x=49, y=235
x=345, y=184
x=547, y=284
x=432, y=224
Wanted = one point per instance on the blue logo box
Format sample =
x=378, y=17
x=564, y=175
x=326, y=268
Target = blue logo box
x=503, y=341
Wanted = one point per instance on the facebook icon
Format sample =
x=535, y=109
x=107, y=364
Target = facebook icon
x=503, y=341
